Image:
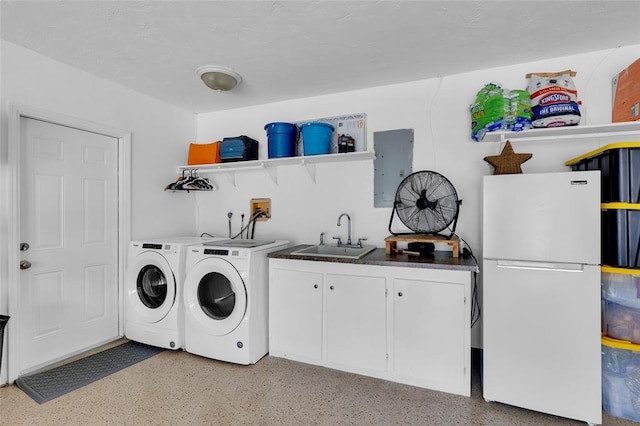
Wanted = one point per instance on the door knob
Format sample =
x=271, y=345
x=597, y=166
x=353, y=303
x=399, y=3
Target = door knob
x=25, y=264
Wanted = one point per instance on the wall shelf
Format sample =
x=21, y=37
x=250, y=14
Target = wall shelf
x=270, y=165
x=566, y=132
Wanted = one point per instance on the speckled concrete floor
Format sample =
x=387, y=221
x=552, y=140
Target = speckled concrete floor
x=177, y=388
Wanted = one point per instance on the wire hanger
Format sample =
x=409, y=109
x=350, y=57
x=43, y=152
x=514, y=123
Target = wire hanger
x=191, y=182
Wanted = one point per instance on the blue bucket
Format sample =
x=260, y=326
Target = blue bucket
x=282, y=139
x=316, y=138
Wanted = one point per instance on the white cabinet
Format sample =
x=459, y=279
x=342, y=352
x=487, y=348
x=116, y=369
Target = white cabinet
x=356, y=321
x=429, y=333
x=295, y=298
x=409, y=325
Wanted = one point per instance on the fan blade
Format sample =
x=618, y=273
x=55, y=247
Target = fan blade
x=408, y=196
x=408, y=200
x=411, y=215
x=432, y=222
x=440, y=186
x=442, y=217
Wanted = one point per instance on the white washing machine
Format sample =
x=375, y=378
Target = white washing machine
x=153, y=308
x=226, y=299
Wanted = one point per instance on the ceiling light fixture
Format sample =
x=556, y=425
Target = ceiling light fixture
x=219, y=78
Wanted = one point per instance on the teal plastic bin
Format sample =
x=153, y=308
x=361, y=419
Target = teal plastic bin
x=316, y=138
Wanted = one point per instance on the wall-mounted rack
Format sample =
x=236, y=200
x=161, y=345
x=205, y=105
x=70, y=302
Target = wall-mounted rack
x=565, y=132
x=271, y=165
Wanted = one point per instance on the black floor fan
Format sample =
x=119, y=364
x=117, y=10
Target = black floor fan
x=426, y=203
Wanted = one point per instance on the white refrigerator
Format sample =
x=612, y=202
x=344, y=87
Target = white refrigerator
x=541, y=293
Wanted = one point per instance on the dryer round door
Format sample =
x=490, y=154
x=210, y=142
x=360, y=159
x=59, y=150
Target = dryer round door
x=215, y=296
x=150, y=287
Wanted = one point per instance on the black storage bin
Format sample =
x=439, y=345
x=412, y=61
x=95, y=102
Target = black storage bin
x=621, y=236
x=619, y=166
x=239, y=148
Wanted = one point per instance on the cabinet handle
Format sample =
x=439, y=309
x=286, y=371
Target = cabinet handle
x=330, y=287
x=315, y=286
x=400, y=293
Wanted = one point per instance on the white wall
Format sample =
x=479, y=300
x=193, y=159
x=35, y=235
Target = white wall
x=437, y=110
x=160, y=132
x=160, y=136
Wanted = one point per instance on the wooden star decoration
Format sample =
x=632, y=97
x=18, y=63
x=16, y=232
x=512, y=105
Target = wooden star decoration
x=508, y=162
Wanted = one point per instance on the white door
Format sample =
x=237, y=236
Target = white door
x=542, y=217
x=356, y=322
x=68, y=296
x=215, y=296
x=541, y=330
x=429, y=326
x=150, y=289
x=295, y=319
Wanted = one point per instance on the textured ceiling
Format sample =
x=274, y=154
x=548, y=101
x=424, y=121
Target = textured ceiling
x=292, y=49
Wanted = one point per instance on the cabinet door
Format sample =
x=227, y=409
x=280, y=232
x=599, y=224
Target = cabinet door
x=429, y=331
x=542, y=344
x=295, y=314
x=356, y=321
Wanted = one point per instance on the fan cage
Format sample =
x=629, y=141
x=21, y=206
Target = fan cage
x=426, y=203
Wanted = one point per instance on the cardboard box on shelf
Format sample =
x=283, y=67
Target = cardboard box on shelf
x=626, y=94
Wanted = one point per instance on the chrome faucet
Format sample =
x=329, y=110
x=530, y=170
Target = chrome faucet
x=348, y=228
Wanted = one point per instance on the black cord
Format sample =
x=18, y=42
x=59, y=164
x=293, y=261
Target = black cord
x=207, y=234
x=253, y=229
x=252, y=221
x=475, y=302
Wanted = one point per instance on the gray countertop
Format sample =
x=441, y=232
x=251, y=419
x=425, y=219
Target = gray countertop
x=379, y=257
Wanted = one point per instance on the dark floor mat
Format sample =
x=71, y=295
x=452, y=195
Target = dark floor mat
x=50, y=384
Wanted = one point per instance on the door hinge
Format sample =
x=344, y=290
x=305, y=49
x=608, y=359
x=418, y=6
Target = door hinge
x=387, y=355
x=465, y=300
x=386, y=292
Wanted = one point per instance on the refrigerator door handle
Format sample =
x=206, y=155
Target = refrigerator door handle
x=551, y=266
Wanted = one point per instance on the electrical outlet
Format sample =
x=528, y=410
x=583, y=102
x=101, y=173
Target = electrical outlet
x=263, y=205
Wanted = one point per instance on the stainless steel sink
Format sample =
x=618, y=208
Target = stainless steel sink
x=349, y=252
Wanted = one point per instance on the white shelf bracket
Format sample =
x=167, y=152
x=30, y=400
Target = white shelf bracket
x=213, y=184
x=311, y=169
x=232, y=177
x=273, y=172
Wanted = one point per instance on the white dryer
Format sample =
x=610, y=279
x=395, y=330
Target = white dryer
x=226, y=299
x=153, y=308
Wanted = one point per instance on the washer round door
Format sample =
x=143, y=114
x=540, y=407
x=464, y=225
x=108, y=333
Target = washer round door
x=215, y=296
x=150, y=287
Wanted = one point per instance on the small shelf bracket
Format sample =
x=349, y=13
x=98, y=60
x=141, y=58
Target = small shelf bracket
x=231, y=175
x=273, y=173
x=311, y=169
